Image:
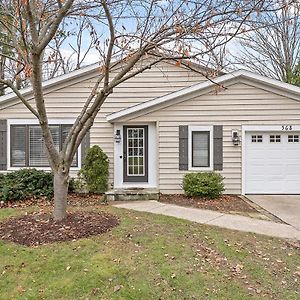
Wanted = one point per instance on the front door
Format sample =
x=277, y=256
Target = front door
x=135, y=154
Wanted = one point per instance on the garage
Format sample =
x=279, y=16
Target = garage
x=272, y=162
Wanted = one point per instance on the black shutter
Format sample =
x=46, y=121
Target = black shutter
x=183, y=147
x=85, y=145
x=218, y=147
x=3, y=145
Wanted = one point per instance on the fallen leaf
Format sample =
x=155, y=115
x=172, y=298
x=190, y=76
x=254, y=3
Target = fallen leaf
x=117, y=288
x=21, y=290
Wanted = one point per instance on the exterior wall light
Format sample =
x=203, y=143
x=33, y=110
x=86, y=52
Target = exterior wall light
x=235, y=138
x=118, y=136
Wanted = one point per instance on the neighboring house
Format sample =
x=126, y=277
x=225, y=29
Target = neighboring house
x=168, y=121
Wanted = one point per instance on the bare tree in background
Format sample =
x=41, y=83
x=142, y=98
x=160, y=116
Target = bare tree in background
x=130, y=36
x=271, y=45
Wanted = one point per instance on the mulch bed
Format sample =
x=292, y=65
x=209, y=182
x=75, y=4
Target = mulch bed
x=226, y=203
x=40, y=228
x=74, y=199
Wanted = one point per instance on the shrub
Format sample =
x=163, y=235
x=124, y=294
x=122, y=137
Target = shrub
x=95, y=170
x=72, y=185
x=207, y=185
x=79, y=185
x=26, y=183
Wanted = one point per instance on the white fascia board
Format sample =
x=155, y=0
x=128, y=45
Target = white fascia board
x=51, y=82
x=270, y=82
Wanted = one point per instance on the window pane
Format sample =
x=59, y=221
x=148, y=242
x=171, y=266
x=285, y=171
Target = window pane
x=135, y=152
x=200, y=145
x=18, y=135
x=37, y=149
x=65, y=131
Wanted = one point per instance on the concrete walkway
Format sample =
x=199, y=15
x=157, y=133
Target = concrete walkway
x=215, y=218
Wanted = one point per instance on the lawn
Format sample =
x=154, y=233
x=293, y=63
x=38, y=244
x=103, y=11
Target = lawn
x=151, y=257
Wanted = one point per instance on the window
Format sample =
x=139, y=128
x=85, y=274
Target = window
x=28, y=148
x=256, y=139
x=18, y=148
x=200, y=148
x=275, y=138
x=293, y=138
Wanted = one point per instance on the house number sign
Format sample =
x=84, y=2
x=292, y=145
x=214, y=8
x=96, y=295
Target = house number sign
x=286, y=127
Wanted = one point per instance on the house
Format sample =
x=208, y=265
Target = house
x=166, y=122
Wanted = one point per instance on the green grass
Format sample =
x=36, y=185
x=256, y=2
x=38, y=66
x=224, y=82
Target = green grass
x=151, y=257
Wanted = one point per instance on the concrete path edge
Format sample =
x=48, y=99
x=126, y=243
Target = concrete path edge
x=209, y=217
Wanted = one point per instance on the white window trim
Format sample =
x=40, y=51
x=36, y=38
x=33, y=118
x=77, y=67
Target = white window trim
x=36, y=122
x=211, y=150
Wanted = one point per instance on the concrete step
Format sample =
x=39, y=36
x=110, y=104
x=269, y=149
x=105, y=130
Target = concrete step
x=132, y=194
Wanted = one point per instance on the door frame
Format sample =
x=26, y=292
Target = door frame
x=284, y=128
x=144, y=178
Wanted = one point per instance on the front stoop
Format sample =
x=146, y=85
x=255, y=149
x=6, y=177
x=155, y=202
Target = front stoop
x=132, y=194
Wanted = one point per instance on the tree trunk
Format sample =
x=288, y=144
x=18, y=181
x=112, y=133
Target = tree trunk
x=61, y=184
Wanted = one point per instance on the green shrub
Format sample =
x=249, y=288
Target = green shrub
x=26, y=183
x=72, y=185
x=207, y=185
x=2, y=176
x=79, y=185
x=95, y=170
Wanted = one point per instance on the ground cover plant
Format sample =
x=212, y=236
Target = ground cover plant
x=150, y=257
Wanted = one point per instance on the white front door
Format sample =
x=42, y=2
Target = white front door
x=272, y=163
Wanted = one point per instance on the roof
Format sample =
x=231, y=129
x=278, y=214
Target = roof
x=185, y=93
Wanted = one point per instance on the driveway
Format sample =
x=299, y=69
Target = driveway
x=285, y=207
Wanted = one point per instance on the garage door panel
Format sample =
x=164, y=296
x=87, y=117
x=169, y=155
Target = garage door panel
x=293, y=156
x=292, y=168
x=273, y=155
x=272, y=167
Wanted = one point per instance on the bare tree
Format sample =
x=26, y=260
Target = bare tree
x=69, y=48
x=125, y=34
x=271, y=45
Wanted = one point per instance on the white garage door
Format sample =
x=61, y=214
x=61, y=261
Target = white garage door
x=272, y=163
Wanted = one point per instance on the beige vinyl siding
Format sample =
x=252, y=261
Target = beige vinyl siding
x=238, y=105
x=67, y=100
